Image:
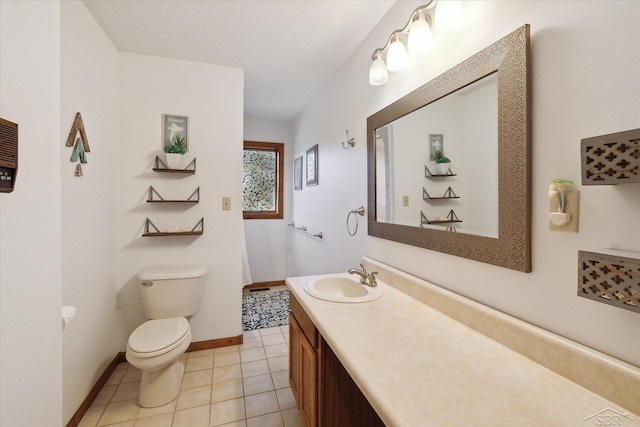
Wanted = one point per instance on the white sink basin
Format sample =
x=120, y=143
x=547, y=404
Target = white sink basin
x=341, y=288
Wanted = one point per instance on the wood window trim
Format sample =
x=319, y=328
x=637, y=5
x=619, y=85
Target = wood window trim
x=278, y=148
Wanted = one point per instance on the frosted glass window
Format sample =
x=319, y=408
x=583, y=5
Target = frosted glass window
x=262, y=180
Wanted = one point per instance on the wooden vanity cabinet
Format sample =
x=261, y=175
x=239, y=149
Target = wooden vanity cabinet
x=325, y=393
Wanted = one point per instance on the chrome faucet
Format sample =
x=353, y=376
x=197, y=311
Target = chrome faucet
x=368, y=279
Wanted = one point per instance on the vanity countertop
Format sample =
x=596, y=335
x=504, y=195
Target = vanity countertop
x=420, y=367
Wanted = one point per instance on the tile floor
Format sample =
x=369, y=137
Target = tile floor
x=238, y=386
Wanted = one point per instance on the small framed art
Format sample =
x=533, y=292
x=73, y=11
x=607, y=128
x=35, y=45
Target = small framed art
x=436, y=143
x=312, y=166
x=297, y=173
x=175, y=127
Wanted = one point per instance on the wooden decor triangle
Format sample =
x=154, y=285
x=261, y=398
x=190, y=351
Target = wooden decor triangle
x=78, y=126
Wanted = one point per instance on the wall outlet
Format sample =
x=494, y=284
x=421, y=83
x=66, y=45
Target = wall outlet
x=405, y=200
x=226, y=203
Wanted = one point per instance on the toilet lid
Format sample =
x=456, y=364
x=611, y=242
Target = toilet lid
x=158, y=334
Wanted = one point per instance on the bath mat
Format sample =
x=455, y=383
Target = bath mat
x=265, y=309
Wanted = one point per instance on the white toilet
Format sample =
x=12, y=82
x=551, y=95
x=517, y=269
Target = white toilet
x=168, y=296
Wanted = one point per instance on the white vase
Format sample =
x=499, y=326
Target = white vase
x=442, y=168
x=174, y=160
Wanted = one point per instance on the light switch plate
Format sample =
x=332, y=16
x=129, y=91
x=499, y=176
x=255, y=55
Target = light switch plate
x=226, y=203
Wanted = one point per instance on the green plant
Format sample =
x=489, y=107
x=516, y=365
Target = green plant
x=558, y=188
x=439, y=157
x=178, y=145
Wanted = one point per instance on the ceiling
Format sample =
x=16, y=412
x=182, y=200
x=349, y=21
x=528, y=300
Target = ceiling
x=288, y=50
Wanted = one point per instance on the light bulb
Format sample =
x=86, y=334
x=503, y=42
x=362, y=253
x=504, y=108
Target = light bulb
x=378, y=74
x=419, y=35
x=449, y=15
x=397, y=57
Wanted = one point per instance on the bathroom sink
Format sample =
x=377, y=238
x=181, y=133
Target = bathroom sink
x=341, y=288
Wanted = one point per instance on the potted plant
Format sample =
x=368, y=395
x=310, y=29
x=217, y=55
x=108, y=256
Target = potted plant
x=558, y=189
x=175, y=150
x=442, y=162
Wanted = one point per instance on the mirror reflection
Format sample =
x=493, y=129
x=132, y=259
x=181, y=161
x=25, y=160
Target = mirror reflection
x=460, y=195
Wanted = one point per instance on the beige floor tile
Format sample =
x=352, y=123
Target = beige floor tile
x=274, y=339
x=251, y=334
x=284, y=329
x=269, y=420
x=226, y=359
x=199, y=363
x=126, y=391
x=285, y=398
x=241, y=423
x=226, y=373
x=118, y=374
x=258, y=367
x=252, y=354
x=158, y=410
x=200, y=353
x=92, y=416
x=227, y=411
x=227, y=349
x=192, y=397
x=193, y=417
x=197, y=378
x=270, y=331
x=276, y=350
x=251, y=343
x=133, y=374
x=105, y=395
x=292, y=418
x=257, y=384
x=123, y=424
x=280, y=379
x=261, y=403
x=183, y=357
x=119, y=412
x=227, y=390
x=280, y=363
x=163, y=420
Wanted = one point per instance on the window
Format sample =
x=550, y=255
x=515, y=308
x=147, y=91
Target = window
x=262, y=172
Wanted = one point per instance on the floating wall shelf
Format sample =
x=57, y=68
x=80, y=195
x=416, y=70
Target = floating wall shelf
x=610, y=276
x=452, y=218
x=193, y=198
x=197, y=230
x=160, y=166
x=429, y=174
x=611, y=159
x=449, y=194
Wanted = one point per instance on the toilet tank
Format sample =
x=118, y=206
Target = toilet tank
x=171, y=291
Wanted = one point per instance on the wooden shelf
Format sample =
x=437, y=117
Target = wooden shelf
x=197, y=230
x=449, y=194
x=452, y=218
x=611, y=159
x=193, y=198
x=160, y=166
x=429, y=174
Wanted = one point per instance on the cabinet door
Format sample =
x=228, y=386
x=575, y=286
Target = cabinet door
x=295, y=333
x=308, y=386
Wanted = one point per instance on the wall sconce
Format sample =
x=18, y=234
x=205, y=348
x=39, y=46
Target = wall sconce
x=351, y=142
x=447, y=16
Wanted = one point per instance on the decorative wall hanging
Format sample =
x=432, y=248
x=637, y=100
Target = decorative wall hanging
x=80, y=144
x=312, y=166
x=175, y=132
x=297, y=173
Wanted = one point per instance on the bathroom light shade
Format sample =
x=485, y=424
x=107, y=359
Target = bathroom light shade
x=419, y=35
x=449, y=15
x=378, y=74
x=397, y=56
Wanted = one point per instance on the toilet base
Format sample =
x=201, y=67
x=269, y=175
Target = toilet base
x=161, y=387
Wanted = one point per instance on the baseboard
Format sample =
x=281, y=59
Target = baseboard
x=86, y=404
x=121, y=358
x=259, y=285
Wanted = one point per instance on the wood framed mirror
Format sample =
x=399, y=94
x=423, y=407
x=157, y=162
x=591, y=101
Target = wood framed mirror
x=509, y=244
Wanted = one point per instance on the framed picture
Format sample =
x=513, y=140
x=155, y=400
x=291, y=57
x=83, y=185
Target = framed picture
x=436, y=143
x=312, y=166
x=297, y=173
x=174, y=126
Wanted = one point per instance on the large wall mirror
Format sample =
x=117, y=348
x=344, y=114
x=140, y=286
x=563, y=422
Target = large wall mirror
x=478, y=207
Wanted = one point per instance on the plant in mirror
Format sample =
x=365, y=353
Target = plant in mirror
x=482, y=105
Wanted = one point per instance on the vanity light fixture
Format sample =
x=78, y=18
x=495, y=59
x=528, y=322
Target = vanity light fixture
x=447, y=16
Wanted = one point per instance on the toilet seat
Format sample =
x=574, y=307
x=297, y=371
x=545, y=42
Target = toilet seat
x=159, y=336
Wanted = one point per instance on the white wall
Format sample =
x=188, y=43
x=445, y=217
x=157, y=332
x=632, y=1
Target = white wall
x=89, y=84
x=30, y=229
x=212, y=98
x=586, y=82
x=267, y=239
